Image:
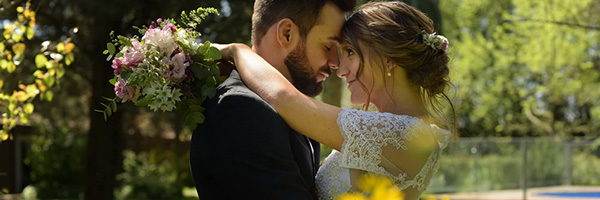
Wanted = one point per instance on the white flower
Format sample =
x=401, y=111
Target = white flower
x=165, y=98
x=161, y=39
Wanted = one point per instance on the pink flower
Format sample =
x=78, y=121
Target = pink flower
x=171, y=27
x=116, y=64
x=126, y=92
x=179, y=64
x=134, y=54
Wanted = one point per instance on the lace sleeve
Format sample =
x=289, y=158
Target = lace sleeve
x=365, y=133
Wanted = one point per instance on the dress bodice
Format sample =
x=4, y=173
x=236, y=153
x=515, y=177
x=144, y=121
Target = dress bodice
x=367, y=137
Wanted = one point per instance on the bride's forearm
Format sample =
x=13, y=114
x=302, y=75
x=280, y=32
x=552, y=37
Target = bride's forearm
x=306, y=115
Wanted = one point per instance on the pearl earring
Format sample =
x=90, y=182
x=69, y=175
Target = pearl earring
x=389, y=70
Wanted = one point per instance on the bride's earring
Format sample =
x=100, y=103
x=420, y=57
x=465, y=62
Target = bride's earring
x=389, y=70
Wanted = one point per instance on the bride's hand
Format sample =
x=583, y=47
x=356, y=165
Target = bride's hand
x=228, y=50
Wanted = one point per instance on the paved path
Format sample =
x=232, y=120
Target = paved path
x=532, y=194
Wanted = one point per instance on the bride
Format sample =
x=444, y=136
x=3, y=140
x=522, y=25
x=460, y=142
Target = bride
x=391, y=58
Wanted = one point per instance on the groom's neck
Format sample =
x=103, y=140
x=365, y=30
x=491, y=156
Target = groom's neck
x=273, y=57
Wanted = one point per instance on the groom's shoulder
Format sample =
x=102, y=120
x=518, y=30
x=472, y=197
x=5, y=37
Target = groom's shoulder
x=233, y=95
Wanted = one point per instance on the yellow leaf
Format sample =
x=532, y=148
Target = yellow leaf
x=11, y=67
x=69, y=47
x=20, y=9
x=69, y=59
x=30, y=33
x=350, y=196
x=60, y=47
x=32, y=90
x=28, y=108
x=18, y=48
x=21, y=96
x=3, y=135
x=21, y=86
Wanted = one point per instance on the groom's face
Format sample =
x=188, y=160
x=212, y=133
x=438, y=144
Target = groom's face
x=310, y=62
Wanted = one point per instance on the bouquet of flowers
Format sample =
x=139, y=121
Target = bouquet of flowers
x=165, y=68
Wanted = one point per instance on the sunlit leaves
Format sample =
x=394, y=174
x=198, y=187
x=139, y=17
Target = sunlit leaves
x=47, y=71
x=526, y=68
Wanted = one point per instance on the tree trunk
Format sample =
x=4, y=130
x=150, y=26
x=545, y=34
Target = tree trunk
x=105, y=139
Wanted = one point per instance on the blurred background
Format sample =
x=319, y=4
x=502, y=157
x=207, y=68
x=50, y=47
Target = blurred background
x=526, y=76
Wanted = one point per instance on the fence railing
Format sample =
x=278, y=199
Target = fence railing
x=485, y=164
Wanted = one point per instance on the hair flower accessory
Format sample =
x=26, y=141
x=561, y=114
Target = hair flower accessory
x=435, y=41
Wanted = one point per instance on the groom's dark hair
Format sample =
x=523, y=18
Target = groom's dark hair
x=304, y=13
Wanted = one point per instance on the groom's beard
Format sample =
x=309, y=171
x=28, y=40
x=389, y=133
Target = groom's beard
x=303, y=76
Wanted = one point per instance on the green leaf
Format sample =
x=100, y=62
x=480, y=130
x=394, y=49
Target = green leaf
x=111, y=48
x=125, y=75
x=204, y=48
x=114, y=105
x=200, y=70
x=3, y=64
x=11, y=67
x=124, y=40
x=48, y=81
x=145, y=101
x=113, y=81
x=108, y=111
x=49, y=95
x=212, y=54
x=40, y=60
x=208, y=91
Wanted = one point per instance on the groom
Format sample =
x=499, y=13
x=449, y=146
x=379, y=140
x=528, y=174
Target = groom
x=244, y=149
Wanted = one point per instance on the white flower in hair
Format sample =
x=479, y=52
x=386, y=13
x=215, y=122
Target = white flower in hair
x=435, y=41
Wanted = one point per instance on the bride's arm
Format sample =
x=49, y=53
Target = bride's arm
x=306, y=115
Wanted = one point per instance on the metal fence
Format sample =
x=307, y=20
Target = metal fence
x=486, y=164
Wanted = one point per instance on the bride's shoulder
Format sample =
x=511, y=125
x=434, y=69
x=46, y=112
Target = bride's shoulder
x=352, y=114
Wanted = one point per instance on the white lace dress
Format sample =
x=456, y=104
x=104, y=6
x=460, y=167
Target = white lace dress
x=366, y=134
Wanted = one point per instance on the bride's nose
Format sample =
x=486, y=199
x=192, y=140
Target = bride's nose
x=342, y=70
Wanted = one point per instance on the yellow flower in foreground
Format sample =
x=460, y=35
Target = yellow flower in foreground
x=374, y=187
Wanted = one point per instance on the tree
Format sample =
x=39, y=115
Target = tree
x=525, y=68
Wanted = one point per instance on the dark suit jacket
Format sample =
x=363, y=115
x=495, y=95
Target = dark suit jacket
x=245, y=150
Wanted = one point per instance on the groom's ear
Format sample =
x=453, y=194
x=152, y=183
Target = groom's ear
x=287, y=34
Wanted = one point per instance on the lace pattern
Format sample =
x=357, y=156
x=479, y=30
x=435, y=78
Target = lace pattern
x=365, y=133
x=332, y=178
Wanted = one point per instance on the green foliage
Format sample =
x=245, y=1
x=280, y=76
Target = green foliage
x=153, y=175
x=525, y=67
x=56, y=162
x=196, y=16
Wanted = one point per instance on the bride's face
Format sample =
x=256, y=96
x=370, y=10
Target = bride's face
x=369, y=76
